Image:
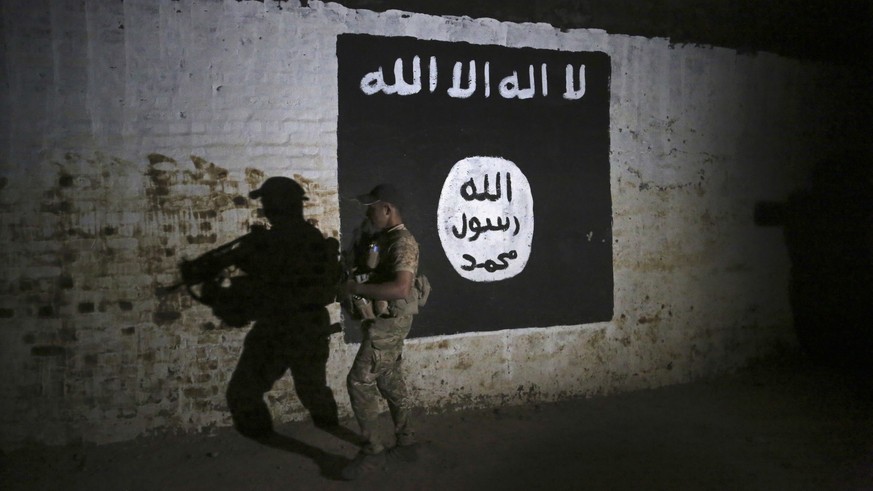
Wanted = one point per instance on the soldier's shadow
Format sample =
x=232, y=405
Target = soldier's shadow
x=330, y=465
x=830, y=246
x=278, y=280
x=827, y=231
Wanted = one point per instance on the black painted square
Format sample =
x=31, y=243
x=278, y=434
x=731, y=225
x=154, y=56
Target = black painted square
x=561, y=145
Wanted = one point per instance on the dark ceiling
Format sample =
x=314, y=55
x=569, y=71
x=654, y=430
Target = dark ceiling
x=833, y=30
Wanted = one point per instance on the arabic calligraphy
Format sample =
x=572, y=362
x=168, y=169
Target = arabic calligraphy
x=467, y=80
x=486, y=218
x=374, y=82
x=476, y=227
x=490, y=265
x=468, y=190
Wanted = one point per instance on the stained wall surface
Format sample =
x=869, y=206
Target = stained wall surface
x=133, y=131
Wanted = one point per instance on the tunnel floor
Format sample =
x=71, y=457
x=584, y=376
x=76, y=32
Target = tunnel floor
x=781, y=424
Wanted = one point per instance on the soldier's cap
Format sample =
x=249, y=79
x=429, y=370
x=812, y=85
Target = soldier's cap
x=386, y=193
x=279, y=187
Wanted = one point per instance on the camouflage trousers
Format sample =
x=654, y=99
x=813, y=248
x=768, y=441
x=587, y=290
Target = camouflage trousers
x=377, y=372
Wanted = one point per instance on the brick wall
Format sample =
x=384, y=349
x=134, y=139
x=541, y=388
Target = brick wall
x=133, y=131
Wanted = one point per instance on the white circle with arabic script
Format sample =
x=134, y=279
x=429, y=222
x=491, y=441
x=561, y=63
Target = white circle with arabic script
x=485, y=219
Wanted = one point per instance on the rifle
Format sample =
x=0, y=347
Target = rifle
x=265, y=287
x=210, y=266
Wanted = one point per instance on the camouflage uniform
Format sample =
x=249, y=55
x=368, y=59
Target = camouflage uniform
x=377, y=366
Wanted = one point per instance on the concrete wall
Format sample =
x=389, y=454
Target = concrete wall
x=132, y=131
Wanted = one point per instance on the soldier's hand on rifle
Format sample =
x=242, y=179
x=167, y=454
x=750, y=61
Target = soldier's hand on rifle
x=349, y=287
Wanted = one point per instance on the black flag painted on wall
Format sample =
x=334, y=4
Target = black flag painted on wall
x=504, y=153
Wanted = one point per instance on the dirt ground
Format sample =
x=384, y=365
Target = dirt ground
x=779, y=425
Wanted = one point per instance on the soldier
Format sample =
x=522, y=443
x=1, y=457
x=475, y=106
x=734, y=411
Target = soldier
x=377, y=367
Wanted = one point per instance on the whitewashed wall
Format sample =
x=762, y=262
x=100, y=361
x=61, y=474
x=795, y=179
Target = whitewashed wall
x=130, y=130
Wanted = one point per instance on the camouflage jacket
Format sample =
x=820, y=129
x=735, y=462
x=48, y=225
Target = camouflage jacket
x=398, y=251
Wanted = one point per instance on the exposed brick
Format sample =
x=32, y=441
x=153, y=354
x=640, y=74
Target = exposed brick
x=208, y=214
x=202, y=239
x=166, y=317
x=67, y=335
x=65, y=281
x=48, y=351
x=57, y=208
